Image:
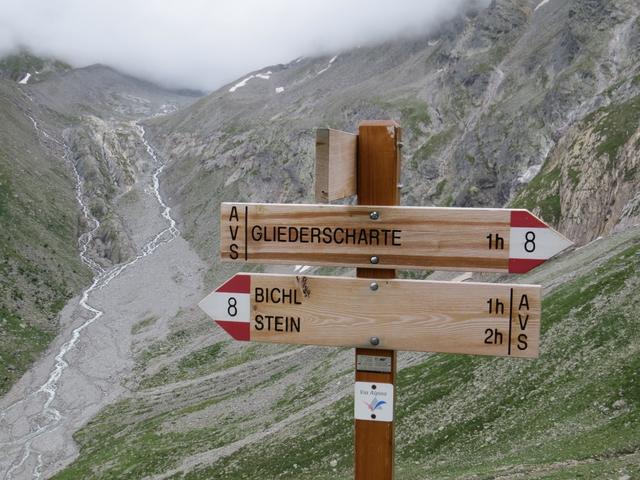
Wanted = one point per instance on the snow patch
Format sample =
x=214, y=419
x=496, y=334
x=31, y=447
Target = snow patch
x=279, y=89
x=25, y=79
x=327, y=67
x=242, y=83
x=543, y=2
x=528, y=175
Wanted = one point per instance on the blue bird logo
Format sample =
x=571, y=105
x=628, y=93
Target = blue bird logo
x=375, y=404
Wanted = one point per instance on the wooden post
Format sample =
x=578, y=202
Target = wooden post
x=377, y=184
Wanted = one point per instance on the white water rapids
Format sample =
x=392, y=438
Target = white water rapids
x=46, y=417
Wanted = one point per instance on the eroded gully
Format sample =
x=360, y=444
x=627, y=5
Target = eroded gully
x=39, y=404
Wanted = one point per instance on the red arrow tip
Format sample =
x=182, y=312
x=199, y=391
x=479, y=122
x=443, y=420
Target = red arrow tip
x=524, y=219
x=237, y=284
x=237, y=330
x=522, y=265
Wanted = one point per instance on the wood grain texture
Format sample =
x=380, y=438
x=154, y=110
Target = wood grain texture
x=409, y=315
x=335, y=168
x=379, y=163
x=428, y=237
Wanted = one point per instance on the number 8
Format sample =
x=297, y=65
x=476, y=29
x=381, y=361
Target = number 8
x=530, y=244
x=232, y=310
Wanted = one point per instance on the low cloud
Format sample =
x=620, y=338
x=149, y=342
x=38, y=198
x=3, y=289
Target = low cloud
x=203, y=44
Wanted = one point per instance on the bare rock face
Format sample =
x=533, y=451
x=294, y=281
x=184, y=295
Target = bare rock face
x=608, y=180
x=590, y=182
x=104, y=153
x=485, y=102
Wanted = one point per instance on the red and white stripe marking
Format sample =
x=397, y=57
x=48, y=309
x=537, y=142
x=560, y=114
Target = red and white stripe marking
x=230, y=306
x=532, y=242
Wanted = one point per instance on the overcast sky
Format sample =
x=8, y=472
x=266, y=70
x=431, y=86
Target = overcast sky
x=205, y=43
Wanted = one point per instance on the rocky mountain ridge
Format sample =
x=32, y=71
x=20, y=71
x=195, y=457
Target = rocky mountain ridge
x=483, y=102
x=23, y=67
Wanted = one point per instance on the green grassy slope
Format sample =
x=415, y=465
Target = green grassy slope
x=461, y=416
x=572, y=413
x=39, y=263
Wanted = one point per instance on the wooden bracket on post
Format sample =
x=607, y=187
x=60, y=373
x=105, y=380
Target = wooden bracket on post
x=335, y=164
x=378, y=178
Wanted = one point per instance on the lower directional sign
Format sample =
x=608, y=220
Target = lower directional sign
x=471, y=318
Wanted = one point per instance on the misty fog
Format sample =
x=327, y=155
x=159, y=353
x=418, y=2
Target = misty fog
x=203, y=44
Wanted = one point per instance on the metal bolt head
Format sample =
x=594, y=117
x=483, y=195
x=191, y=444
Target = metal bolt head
x=374, y=260
x=373, y=286
x=374, y=341
x=374, y=215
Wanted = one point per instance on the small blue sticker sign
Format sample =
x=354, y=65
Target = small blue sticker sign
x=373, y=401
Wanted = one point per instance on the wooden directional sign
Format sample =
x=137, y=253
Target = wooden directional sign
x=472, y=318
x=492, y=240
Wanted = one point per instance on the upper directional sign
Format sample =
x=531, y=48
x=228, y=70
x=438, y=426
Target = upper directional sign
x=490, y=240
x=472, y=318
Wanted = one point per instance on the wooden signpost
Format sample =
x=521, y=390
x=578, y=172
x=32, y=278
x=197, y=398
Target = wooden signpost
x=378, y=163
x=374, y=312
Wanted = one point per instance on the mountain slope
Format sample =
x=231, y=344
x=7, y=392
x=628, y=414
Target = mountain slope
x=572, y=413
x=250, y=413
x=50, y=126
x=86, y=122
x=102, y=91
x=482, y=101
x=40, y=267
x=25, y=68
